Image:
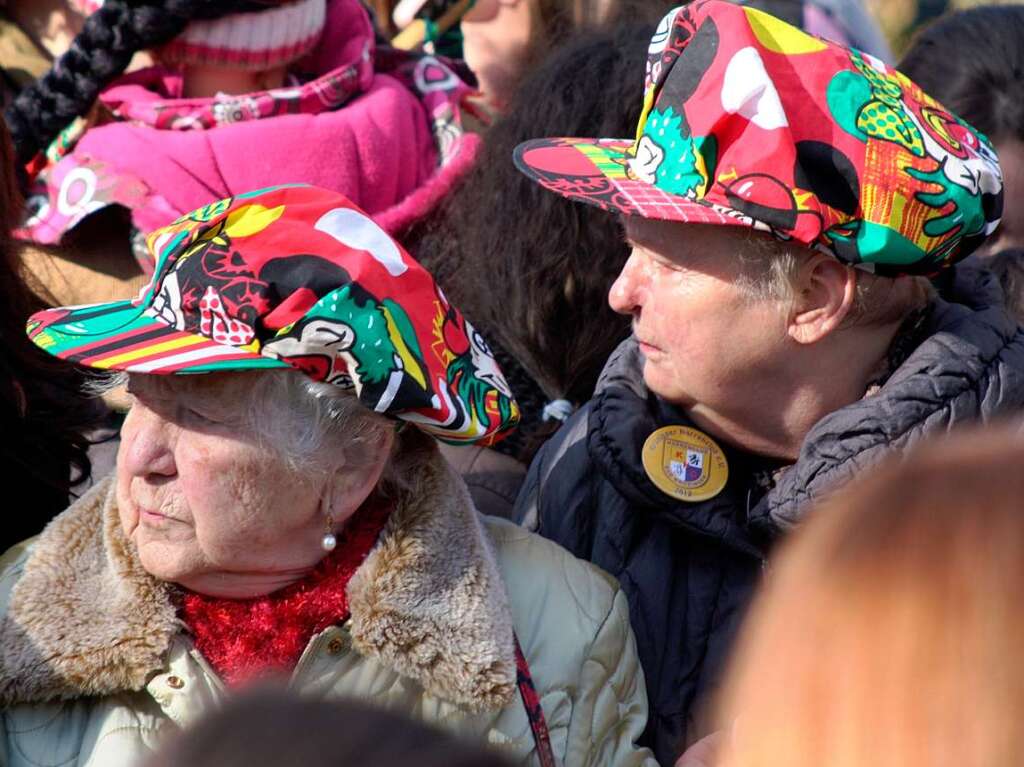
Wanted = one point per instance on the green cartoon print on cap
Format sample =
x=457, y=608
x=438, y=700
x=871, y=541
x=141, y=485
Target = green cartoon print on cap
x=348, y=336
x=668, y=157
x=880, y=112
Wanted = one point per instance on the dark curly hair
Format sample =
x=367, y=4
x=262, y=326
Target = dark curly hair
x=973, y=62
x=44, y=413
x=532, y=270
x=99, y=54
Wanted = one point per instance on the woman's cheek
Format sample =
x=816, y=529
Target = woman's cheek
x=126, y=510
x=230, y=486
x=204, y=479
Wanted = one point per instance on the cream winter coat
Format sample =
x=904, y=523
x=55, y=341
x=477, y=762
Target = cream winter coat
x=95, y=668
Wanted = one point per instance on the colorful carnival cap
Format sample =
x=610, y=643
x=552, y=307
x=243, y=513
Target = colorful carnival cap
x=296, y=276
x=750, y=121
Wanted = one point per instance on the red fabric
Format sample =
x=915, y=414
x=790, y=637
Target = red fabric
x=243, y=639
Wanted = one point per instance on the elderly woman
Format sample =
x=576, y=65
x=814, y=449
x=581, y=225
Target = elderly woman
x=286, y=513
x=786, y=199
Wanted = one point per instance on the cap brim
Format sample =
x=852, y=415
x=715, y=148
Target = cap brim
x=123, y=336
x=595, y=171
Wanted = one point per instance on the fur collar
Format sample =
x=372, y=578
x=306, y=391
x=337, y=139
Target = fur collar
x=86, y=620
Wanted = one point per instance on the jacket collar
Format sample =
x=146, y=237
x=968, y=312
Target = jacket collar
x=85, y=619
x=622, y=415
x=969, y=367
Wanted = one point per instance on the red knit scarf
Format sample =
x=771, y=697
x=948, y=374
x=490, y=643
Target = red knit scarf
x=246, y=638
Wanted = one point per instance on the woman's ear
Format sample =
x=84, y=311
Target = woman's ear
x=349, y=487
x=825, y=294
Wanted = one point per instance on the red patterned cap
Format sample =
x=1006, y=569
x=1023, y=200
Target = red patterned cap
x=750, y=121
x=296, y=277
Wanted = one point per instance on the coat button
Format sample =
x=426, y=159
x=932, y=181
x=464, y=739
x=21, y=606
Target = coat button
x=175, y=682
x=335, y=646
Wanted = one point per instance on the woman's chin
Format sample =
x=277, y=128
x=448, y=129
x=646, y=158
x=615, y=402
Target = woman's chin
x=167, y=562
x=220, y=574
x=232, y=585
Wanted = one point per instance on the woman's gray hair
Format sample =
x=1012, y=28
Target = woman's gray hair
x=309, y=424
x=307, y=421
x=770, y=271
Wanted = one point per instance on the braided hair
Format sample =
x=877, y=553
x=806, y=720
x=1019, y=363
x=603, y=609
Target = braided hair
x=100, y=53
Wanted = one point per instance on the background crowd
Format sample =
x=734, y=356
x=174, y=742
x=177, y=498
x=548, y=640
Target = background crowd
x=485, y=382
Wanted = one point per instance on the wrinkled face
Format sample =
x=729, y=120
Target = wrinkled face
x=206, y=504
x=705, y=341
x=496, y=36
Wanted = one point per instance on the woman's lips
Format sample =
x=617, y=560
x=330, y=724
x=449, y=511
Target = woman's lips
x=152, y=517
x=647, y=349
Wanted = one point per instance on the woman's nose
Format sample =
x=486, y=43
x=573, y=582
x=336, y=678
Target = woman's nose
x=623, y=295
x=146, y=445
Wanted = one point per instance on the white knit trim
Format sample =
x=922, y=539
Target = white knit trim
x=274, y=36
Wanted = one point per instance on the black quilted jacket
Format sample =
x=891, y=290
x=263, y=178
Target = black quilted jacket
x=688, y=570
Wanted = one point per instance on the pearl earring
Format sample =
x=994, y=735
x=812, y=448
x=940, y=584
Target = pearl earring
x=329, y=541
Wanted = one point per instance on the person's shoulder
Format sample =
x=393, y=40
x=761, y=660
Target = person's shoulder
x=565, y=450
x=541, y=576
x=12, y=565
x=15, y=556
x=571, y=621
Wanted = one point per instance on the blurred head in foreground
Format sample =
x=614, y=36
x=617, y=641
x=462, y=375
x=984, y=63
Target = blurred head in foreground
x=890, y=631
x=268, y=728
